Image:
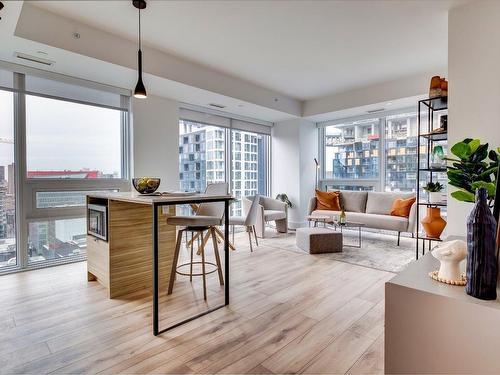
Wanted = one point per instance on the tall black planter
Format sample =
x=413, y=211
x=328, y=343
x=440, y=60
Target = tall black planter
x=482, y=266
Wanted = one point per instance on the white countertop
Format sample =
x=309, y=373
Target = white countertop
x=416, y=276
x=134, y=197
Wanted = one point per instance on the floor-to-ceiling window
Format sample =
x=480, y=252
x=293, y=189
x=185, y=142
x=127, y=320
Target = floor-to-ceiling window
x=206, y=155
x=63, y=139
x=372, y=153
x=8, y=248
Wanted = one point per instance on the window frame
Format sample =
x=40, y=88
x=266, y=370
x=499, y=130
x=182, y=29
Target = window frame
x=377, y=184
x=27, y=188
x=229, y=124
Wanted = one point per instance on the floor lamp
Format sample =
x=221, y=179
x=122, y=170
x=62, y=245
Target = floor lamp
x=317, y=171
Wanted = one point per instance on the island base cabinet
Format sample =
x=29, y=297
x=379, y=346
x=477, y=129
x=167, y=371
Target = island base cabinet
x=124, y=263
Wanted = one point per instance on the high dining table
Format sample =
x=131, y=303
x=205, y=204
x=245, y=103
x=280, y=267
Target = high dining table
x=122, y=208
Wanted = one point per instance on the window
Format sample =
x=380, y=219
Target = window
x=401, y=152
x=242, y=162
x=373, y=154
x=57, y=239
x=211, y=167
x=351, y=150
x=7, y=182
x=75, y=142
x=70, y=140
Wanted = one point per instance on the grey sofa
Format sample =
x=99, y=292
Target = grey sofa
x=373, y=209
x=269, y=210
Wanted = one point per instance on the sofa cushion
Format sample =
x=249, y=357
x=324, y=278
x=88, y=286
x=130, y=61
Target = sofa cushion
x=381, y=203
x=402, y=207
x=375, y=221
x=271, y=215
x=353, y=201
x=327, y=200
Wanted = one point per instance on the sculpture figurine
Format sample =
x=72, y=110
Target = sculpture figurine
x=450, y=254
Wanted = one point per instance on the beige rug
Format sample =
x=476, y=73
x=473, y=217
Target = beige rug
x=379, y=251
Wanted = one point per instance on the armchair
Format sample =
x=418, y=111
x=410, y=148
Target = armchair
x=269, y=209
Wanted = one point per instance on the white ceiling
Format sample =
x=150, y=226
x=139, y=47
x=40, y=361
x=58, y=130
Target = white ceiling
x=303, y=49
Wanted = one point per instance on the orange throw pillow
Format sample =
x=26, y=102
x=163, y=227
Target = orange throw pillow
x=328, y=200
x=402, y=207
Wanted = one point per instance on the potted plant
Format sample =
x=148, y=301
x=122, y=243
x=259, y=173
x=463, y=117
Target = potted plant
x=284, y=198
x=474, y=167
x=434, y=189
x=474, y=174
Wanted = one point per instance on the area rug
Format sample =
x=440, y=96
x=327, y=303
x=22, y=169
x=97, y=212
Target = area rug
x=379, y=251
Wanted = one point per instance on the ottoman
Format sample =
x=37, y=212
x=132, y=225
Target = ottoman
x=318, y=240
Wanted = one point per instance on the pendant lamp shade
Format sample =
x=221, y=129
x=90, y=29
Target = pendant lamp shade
x=140, y=89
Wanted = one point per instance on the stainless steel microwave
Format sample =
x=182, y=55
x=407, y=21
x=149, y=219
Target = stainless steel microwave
x=97, y=221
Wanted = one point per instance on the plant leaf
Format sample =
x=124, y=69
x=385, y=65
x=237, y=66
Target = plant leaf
x=489, y=186
x=461, y=149
x=474, y=144
x=493, y=155
x=463, y=196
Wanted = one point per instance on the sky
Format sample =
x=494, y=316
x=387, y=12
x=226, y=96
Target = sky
x=63, y=135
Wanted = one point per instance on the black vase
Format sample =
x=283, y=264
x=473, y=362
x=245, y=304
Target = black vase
x=482, y=266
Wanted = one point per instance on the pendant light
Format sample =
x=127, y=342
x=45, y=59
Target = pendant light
x=140, y=90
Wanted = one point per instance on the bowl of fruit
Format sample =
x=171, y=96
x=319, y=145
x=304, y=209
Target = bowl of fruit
x=146, y=185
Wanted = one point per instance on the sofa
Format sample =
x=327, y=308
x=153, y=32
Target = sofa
x=269, y=210
x=373, y=209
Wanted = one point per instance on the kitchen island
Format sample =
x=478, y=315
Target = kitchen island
x=133, y=248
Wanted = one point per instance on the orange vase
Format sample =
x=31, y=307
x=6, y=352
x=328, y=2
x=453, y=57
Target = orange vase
x=433, y=223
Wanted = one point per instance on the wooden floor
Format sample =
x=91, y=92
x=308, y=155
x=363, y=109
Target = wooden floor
x=290, y=312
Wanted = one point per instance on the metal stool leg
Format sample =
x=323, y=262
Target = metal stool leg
x=202, y=251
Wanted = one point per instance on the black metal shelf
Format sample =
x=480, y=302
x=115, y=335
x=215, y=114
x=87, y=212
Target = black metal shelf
x=439, y=103
x=441, y=204
x=433, y=170
x=436, y=136
x=427, y=135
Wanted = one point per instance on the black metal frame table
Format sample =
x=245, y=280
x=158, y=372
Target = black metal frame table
x=350, y=224
x=169, y=201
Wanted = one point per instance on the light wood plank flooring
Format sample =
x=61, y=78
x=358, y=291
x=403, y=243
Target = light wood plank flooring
x=290, y=312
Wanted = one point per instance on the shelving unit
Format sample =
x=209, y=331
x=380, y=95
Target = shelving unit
x=427, y=137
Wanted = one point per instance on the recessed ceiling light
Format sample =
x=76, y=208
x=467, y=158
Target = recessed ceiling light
x=389, y=103
x=42, y=53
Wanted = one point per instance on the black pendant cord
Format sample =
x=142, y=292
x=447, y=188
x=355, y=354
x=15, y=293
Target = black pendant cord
x=139, y=54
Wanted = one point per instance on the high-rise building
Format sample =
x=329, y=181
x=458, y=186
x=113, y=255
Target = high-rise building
x=10, y=179
x=202, y=160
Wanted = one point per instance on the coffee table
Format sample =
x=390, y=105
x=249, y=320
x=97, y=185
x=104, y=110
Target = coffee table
x=318, y=219
x=349, y=224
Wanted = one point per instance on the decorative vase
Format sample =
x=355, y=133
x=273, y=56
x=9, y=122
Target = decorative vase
x=433, y=223
x=435, y=87
x=482, y=266
x=437, y=197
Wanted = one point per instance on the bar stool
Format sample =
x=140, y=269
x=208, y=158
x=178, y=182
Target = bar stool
x=206, y=218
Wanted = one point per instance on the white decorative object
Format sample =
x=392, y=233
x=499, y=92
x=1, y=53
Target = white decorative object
x=437, y=197
x=450, y=254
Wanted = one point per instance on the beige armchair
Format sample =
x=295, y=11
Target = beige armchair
x=269, y=210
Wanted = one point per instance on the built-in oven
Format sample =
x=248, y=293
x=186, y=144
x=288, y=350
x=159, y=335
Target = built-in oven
x=97, y=220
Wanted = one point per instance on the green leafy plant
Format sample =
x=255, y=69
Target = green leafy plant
x=475, y=167
x=284, y=198
x=433, y=187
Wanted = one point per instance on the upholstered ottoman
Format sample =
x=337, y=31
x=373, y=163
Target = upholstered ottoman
x=319, y=240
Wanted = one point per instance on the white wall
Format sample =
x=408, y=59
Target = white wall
x=155, y=140
x=295, y=145
x=474, y=84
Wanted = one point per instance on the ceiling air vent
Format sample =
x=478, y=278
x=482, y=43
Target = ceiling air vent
x=375, y=110
x=34, y=59
x=220, y=106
